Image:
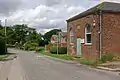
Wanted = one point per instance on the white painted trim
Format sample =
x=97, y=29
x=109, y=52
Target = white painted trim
x=88, y=43
x=86, y=37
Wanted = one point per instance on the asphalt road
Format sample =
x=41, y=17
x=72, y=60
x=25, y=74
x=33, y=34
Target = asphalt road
x=38, y=67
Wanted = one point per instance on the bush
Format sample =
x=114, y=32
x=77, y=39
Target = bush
x=53, y=49
x=2, y=46
x=107, y=57
x=39, y=49
x=30, y=45
x=61, y=50
x=32, y=48
x=88, y=62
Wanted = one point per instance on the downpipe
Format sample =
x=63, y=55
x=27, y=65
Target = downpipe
x=100, y=35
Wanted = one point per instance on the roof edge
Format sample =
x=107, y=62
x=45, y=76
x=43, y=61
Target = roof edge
x=89, y=11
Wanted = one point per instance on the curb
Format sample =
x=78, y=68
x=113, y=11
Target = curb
x=82, y=65
x=109, y=69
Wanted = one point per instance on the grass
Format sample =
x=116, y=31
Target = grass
x=67, y=57
x=89, y=62
x=3, y=56
x=61, y=56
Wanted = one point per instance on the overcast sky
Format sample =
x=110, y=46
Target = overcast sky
x=44, y=15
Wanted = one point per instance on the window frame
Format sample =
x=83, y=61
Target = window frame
x=87, y=33
x=71, y=35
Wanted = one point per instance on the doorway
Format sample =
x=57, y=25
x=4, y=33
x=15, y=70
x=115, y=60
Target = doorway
x=79, y=52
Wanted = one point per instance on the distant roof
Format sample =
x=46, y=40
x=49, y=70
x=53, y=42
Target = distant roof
x=105, y=6
x=64, y=34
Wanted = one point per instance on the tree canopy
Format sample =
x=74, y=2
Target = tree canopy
x=22, y=34
x=48, y=35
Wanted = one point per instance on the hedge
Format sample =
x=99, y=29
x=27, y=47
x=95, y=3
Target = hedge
x=2, y=46
x=53, y=49
x=39, y=49
x=61, y=50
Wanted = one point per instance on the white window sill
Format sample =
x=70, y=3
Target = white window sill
x=71, y=43
x=89, y=44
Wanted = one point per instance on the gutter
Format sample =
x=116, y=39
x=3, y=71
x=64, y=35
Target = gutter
x=100, y=32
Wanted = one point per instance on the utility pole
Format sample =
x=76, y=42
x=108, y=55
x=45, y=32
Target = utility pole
x=101, y=32
x=5, y=36
x=58, y=40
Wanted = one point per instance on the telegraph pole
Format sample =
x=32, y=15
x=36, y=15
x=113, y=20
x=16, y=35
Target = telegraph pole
x=5, y=36
x=57, y=42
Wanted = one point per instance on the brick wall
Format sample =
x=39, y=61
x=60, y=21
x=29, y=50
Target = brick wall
x=88, y=51
x=111, y=33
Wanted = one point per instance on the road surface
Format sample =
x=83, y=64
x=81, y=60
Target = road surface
x=38, y=67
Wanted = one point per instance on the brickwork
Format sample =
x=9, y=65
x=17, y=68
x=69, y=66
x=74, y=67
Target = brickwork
x=110, y=34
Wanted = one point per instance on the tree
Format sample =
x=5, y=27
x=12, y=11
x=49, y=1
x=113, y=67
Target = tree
x=48, y=35
x=10, y=36
x=20, y=33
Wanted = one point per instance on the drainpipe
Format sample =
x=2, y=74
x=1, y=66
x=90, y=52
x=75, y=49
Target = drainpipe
x=100, y=34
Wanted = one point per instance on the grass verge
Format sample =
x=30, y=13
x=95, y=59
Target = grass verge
x=67, y=57
x=2, y=57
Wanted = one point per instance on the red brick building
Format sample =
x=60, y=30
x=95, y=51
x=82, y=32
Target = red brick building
x=61, y=39
x=95, y=32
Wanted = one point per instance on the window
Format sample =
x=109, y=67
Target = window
x=88, y=34
x=71, y=36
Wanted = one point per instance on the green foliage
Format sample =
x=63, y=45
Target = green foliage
x=53, y=49
x=61, y=56
x=2, y=32
x=67, y=57
x=40, y=49
x=11, y=36
x=2, y=46
x=61, y=50
x=19, y=34
x=30, y=45
x=3, y=57
x=88, y=62
x=48, y=35
x=107, y=57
